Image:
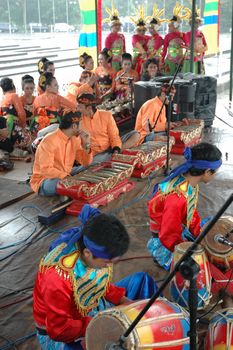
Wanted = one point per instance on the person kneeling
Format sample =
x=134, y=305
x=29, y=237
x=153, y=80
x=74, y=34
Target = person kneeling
x=57, y=152
x=74, y=280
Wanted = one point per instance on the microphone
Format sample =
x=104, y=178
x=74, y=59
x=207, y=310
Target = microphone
x=222, y=240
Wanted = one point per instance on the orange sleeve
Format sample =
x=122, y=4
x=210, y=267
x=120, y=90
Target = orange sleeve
x=36, y=105
x=113, y=132
x=83, y=157
x=47, y=163
x=65, y=103
x=19, y=108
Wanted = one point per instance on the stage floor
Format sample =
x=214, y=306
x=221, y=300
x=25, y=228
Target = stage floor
x=19, y=263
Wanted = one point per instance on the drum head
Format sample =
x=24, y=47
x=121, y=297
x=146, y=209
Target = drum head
x=222, y=227
x=103, y=330
x=182, y=247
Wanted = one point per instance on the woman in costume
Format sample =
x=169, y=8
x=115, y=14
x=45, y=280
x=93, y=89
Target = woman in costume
x=172, y=210
x=200, y=46
x=12, y=110
x=115, y=41
x=74, y=280
x=174, y=41
x=48, y=107
x=139, y=40
x=126, y=77
x=155, y=41
x=105, y=75
x=27, y=99
x=86, y=62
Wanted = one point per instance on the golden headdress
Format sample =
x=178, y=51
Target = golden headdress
x=156, y=16
x=113, y=16
x=197, y=14
x=140, y=18
x=178, y=14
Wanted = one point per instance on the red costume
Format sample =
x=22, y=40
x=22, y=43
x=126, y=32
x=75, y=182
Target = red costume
x=139, y=55
x=115, y=42
x=154, y=45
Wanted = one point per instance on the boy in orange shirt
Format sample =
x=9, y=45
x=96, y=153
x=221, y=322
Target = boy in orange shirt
x=57, y=153
x=147, y=116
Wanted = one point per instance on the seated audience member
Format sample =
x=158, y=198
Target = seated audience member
x=48, y=107
x=74, y=280
x=86, y=62
x=147, y=122
x=27, y=99
x=86, y=84
x=126, y=76
x=57, y=152
x=104, y=133
x=105, y=76
x=12, y=110
x=151, y=69
x=172, y=210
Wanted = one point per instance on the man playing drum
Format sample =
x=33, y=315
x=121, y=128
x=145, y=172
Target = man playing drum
x=74, y=280
x=172, y=210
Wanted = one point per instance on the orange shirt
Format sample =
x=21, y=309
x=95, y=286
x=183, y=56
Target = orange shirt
x=123, y=83
x=76, y=89
x=103, y=131
x=105, y=80
x=49, y=100
x=150, y=110
x=55, y=157
x=27, y=105
x=12, y=99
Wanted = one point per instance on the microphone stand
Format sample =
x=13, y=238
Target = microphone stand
x=169, y=114
x=184, y=265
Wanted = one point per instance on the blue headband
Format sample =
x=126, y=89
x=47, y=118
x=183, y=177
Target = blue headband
x=74, y=234
x=185, y=167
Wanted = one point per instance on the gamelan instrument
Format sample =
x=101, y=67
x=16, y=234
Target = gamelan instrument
x=147, y=157
x=179, y=287
x=187, y=133
x=164, y=326
x=120, y=109
x=97, y=185
x=220, y=332
x=219, y=254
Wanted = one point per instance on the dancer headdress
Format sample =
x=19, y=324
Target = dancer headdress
x=155, y=19
x=114, y=18
x=140, y=18
x=178, y=14
x=197, y=14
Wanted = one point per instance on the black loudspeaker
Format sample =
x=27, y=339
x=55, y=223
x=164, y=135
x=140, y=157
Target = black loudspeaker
x=144, y=91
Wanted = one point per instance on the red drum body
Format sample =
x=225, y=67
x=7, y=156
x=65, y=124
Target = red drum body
x=147, y=157
x=219, y=254
x=164, y=326
x=187, y=133
x=179, y=288
x=220, y=332
x=97, y=185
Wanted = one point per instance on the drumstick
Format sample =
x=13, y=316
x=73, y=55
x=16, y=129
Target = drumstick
x=61, y=207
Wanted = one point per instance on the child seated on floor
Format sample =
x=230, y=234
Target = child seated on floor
x=151, y=69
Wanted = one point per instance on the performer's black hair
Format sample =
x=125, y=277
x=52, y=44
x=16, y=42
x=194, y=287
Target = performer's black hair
x=7, y=84
x=204, y=151
x=83, y=59
x=151, y=60
x=45, y=80
x=107, y=231
x=89, y=97
x=126, y=56
x=26, y=79
x=105, y=52
x=47, y=64
x=40, y=64
x=68, y=119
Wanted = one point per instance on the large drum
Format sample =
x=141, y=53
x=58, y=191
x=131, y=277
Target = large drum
x=220, y=332
x=164, y=326
x=179, y=288
x=219, y=254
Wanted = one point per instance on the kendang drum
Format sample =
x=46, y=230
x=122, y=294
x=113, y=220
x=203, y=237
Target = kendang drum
x=219, y=254
x=179, y=287
x=187, y=133
x=164, y=326
x=220, y=332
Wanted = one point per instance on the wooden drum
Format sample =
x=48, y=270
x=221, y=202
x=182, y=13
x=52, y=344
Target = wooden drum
x=179, y=288
x=219, y=254
x=164, y=326
x=220, y=332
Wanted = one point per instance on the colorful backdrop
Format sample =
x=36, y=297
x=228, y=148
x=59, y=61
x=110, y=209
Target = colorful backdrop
x=211, y=25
